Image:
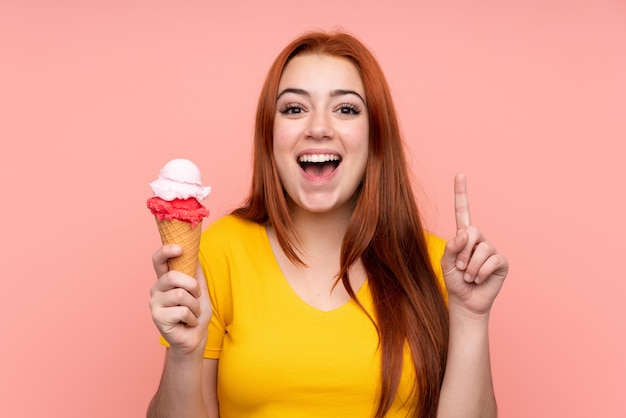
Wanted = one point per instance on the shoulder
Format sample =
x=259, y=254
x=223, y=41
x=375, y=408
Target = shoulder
x=229, y=225
x=436, y=246
x=229, y=229
x=231, y=237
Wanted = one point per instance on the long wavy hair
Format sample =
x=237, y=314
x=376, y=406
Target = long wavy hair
x=385, y=229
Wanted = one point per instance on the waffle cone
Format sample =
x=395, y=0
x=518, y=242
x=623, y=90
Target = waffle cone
x=181, y=233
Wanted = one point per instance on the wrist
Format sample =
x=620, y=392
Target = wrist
x=183, y=355
x=459, y=313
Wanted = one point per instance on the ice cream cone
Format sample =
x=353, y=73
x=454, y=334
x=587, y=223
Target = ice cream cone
x=181, y=233
x=178, y=212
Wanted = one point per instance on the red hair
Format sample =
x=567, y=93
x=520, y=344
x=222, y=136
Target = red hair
x=385, y=230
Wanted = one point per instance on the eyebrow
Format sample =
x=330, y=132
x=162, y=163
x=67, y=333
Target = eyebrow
x=334, y=93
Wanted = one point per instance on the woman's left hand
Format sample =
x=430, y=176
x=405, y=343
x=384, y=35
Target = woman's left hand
x=473, y=269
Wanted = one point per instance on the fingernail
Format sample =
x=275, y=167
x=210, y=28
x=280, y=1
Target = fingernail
x=467, y=277
x=460, y=265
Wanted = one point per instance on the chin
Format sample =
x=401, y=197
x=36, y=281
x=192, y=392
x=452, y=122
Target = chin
x=325, y=206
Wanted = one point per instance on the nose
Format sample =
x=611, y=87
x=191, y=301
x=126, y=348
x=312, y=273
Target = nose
x=320, y=126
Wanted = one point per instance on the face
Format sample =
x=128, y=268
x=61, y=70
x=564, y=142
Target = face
x=321, y=132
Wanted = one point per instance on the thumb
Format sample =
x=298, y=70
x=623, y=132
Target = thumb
x=205, y=301
x=201, y=279
x=453, y=247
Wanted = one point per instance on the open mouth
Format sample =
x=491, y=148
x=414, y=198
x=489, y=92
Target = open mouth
x=319, y=165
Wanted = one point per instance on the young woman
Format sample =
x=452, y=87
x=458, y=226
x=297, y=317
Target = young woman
x=323, y=296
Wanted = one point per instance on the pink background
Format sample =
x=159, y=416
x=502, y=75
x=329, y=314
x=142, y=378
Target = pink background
x=527, y=97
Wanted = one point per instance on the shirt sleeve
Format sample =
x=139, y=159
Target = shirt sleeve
x=214, y=261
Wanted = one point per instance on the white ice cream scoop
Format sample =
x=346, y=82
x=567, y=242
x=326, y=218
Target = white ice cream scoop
x=179, y=179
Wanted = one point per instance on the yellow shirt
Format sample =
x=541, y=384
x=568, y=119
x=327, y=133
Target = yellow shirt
x=278, y=356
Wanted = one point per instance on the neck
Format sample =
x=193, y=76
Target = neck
x=321, y=234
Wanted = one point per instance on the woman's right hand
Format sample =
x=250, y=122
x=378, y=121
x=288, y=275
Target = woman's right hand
x=180, y=304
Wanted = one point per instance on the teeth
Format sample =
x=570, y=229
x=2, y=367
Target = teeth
x=318, y=158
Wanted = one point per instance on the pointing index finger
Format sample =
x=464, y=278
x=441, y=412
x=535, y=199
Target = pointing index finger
x=461, y=203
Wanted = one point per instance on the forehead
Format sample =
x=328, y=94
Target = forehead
x=311, y=71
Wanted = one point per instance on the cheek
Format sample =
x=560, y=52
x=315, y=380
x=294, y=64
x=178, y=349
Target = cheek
x=279, y=144
x=283, y=137
x=282, y=156
x=359, y=141
x=363, y=146
x=363, y=162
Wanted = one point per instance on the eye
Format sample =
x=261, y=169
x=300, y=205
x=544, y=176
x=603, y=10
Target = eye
x=348, y=109
x=291, y=109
